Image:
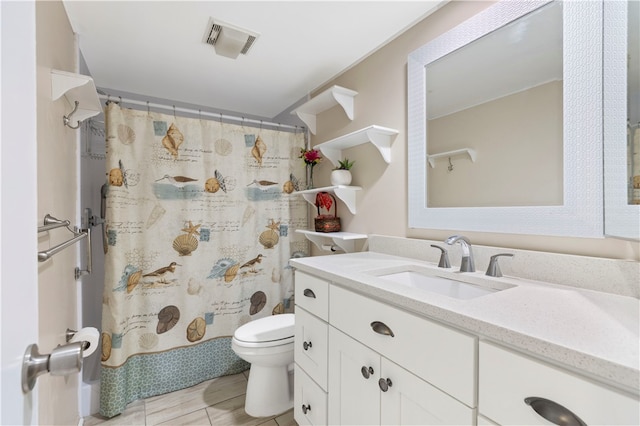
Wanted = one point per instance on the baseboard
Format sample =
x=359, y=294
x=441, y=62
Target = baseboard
x=89, y=398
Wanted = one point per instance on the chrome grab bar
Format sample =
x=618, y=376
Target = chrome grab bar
x=80, y=272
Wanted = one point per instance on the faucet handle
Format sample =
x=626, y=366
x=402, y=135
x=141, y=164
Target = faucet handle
x=444, y=257
x=494, y=269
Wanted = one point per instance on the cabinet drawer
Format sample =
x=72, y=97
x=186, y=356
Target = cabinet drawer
x=312, y=294
x=311, y=346
x=436, y=353
x=507, y=378
x=308, y=394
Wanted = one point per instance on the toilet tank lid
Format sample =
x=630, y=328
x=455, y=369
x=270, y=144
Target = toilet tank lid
x=267, y=329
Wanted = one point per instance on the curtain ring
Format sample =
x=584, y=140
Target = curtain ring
x=174, y=112
x=220, y=118
x=200, y=115
x=148, y=110
x=120, y=100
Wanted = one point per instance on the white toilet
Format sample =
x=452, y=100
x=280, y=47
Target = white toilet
x=267, y=343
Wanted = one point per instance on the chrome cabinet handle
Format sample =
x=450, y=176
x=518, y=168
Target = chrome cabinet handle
x=306, y=345
x=554, y=412
x=381, y=328
x=309, y=293
x=306, y=408
x=384, y=384
x=366, y=371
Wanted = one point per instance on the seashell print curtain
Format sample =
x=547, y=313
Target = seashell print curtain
x=200, y=227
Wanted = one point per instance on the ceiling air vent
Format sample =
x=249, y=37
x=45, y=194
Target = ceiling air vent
x=229, y=40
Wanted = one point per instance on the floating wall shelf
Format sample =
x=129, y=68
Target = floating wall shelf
x=380, y=137
x=344, y=240
x=346, y=193
x=331, y=97
x=76, y=87
x=464, y=151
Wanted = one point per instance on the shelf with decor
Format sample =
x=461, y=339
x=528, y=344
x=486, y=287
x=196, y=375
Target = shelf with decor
x=381, y=137
x=331, y=97
x=457, y=152
x=345, y=193
x=80, y=91
x=344, y=240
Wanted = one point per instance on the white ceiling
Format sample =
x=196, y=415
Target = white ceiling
x=156, y=48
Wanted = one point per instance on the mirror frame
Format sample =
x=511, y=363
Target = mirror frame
x=621, y=218
x=582, y=211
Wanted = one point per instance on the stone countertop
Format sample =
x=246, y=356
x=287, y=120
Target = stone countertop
x=594, y=333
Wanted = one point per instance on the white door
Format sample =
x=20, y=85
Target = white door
x=18, y=195
x=354, y=370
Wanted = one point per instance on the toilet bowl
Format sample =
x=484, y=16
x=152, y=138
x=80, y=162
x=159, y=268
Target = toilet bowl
x=267, y=343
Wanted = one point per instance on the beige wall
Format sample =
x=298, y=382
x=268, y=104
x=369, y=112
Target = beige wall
x=57, y=195
x=381, y=83
x=518, y=141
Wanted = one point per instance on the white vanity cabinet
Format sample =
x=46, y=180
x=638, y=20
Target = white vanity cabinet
x=390, y=367
x=366, y=388
x=310, y=350
x=513, y=388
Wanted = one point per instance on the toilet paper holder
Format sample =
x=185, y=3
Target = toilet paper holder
x=69, y=335
x=62, y=361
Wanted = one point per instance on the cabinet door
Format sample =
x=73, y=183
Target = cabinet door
x=410, y=400
x=353, y=398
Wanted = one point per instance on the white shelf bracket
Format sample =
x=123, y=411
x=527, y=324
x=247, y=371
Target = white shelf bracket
x=383, y=142
x=345, y=101
x=348, y=197
x=333, y=154
x=309, y=119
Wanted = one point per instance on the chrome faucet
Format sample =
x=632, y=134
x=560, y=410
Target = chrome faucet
x=467, y=264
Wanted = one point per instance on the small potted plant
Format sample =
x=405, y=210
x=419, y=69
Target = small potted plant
x=341, y=175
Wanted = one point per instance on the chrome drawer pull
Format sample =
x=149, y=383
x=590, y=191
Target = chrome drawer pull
x=306, y=408
x=554, y=412
x=309, y=293
x=381, y=328
x=306, y=345
x=366, y=372
x=384, y=384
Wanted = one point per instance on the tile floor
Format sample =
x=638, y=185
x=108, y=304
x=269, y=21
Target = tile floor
x=218, y=401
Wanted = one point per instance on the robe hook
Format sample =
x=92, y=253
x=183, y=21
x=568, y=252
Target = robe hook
x=66, y=119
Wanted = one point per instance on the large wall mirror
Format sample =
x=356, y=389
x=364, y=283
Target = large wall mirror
x=505, y=122
x=622, y=119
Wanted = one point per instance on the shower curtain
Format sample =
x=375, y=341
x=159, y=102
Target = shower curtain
x=200, y=220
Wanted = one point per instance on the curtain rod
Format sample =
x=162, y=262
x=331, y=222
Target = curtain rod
x=219, y=116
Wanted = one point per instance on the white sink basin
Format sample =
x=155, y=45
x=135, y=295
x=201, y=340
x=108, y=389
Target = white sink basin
x=429, y=280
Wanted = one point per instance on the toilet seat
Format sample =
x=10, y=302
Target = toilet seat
x=275, y=330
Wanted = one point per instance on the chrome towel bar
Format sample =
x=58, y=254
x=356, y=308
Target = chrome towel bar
x=51, y=222
x=46, y=254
